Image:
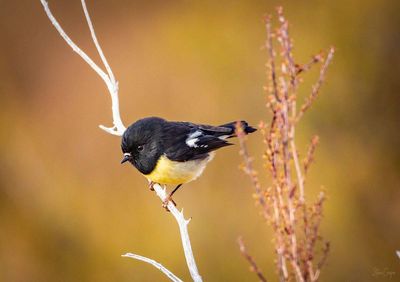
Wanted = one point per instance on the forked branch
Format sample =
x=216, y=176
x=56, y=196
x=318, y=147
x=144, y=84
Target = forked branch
x=118, y=129
x=112, y=85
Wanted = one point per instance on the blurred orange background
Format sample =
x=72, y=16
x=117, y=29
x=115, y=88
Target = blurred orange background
x=68, y=209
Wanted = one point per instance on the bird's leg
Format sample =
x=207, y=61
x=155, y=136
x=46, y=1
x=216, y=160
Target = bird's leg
x=169, y=198
x=173, y=191
x=151, y=183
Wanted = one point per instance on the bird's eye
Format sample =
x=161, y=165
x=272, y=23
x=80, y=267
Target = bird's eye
x=140, y=148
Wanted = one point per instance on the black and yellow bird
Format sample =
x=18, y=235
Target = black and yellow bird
x=174, y=152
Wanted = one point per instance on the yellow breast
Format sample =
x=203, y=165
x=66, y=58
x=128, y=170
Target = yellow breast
x=172, y=172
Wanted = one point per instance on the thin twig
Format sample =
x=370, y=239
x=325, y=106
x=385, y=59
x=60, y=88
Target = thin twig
x=325, y=253
x=287, y=48
x=96, y=42
x=315, y=221
x=157, y=265
x=271, y=59
x=310, y=154
x=249, y=170
x=251, y=261
x=307, y=66
x=315, y=89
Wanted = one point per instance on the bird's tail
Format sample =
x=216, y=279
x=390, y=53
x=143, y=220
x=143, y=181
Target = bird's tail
x=232, y=125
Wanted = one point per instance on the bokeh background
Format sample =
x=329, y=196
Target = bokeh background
x=68, y=209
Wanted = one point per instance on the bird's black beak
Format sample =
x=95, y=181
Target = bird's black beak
x=127, y=157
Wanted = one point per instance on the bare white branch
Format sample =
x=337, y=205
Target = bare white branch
x=398, y=253
x=157, y=265
x=182, y=222
x=72, y=44
x=118, y=129
x=96, y=42
x=112, y=85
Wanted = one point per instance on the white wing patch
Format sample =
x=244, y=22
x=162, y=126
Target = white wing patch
x=192, y=139
x=192, y=142
x=223, y=137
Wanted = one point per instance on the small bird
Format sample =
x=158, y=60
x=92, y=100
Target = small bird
x=174, y=153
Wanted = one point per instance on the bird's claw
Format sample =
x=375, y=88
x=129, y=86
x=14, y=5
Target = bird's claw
x=166, y=202
x=151, y=183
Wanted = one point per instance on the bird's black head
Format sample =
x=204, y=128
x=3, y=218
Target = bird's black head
x=142, y=143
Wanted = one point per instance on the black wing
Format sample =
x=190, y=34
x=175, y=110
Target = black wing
x=185, y=141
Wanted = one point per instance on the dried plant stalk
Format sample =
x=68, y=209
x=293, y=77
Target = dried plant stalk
x=295, y=222
x=249, y=258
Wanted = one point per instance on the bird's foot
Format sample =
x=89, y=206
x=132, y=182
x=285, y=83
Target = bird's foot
x=166, y=201
x=151, y=183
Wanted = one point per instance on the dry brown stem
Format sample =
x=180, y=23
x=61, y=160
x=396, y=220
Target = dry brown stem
x=253, y=266
x=316, y=87
x=294, y=222
x=310, y=153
